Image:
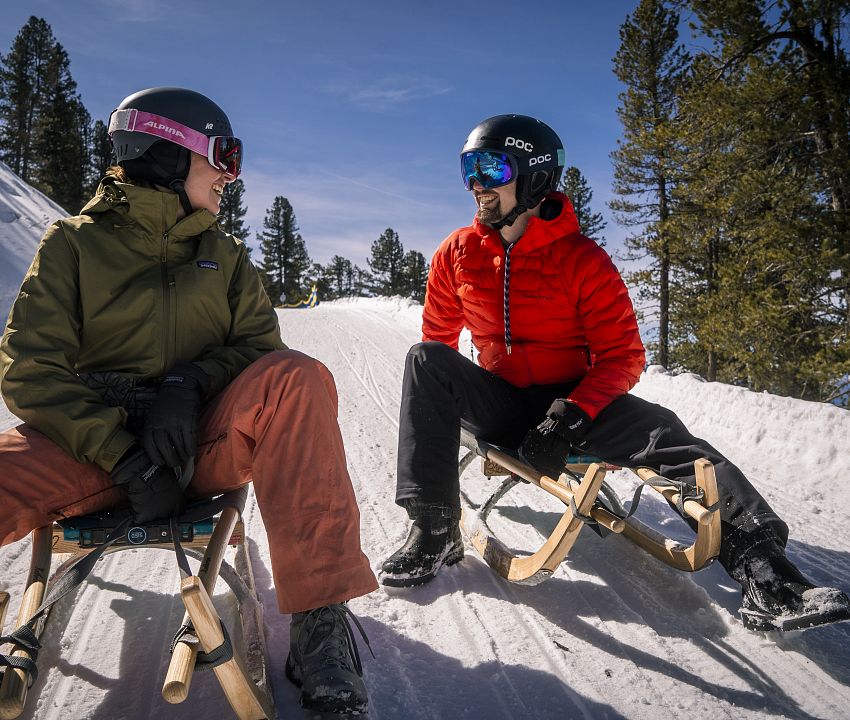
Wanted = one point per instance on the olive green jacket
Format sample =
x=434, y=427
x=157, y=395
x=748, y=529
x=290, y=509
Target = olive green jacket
x=126, y=287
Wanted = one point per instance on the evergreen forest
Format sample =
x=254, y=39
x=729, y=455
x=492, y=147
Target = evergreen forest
x=731, y=176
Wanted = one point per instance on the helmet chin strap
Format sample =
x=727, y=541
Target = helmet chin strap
x=526, y=195
x=179, y=187
x=510, y=218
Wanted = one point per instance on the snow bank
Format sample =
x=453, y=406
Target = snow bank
x=25, y=213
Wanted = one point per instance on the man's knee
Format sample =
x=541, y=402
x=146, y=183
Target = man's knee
x=432, y=354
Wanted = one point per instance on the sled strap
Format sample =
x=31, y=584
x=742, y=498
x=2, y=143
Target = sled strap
x=588, y=520
x=25, y=636
x=204, y=660
x=216, y=656
x=685, y=492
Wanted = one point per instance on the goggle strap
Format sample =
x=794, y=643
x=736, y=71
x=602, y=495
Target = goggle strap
x=133, y=120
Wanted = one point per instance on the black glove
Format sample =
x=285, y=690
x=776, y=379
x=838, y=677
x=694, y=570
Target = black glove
x=154, y=492
x=117, y=390
x=170, y=435
x=547, y=446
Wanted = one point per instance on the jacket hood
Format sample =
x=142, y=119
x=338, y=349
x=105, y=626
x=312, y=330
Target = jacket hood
x=155, y=211
x=559, y=220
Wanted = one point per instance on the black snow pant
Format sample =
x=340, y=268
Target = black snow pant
x=442, y=391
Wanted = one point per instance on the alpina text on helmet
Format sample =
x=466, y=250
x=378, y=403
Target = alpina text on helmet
x=517, y=143
x=169, y=130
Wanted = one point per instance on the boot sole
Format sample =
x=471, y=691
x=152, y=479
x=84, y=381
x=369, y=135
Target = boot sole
x=455, y=555
x=339, y=705
x=763, y=622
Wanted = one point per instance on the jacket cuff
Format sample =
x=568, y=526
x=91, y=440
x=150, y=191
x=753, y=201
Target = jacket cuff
x=114, y=448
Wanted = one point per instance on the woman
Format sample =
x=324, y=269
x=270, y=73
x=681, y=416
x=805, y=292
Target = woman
x=141, y=342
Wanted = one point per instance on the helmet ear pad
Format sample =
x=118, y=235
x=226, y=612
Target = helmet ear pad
x=161, y=164
x=531, y=189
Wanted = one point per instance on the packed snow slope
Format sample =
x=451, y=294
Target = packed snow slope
x=24, y=215
x=613, y=634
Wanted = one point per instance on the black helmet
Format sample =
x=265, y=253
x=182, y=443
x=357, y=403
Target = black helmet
x=150, y=137
x=535, y=149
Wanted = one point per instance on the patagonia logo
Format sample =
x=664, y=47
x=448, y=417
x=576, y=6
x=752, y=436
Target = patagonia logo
x=208, y=264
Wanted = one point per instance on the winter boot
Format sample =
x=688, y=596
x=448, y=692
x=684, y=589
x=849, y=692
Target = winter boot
x=434, y=541
x=323, y=661
x=776, y=596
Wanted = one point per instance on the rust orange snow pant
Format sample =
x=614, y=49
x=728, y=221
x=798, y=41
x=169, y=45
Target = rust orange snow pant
x=275, y=425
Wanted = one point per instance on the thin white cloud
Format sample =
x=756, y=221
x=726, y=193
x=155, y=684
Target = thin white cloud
x=137, y=11
x=389, y=92
x=389, y=193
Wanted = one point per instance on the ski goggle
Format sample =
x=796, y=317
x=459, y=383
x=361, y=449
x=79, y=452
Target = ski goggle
x=491, y=169
x=223, y=152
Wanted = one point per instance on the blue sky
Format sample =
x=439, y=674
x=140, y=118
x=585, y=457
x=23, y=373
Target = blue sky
x=356, y=111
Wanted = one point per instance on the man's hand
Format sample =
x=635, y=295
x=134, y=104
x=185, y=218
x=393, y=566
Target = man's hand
x=154, y=492
x=170, y=435
x=547, y=446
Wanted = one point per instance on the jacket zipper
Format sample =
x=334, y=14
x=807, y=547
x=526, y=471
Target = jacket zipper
x=166, y=301
x=506, y=292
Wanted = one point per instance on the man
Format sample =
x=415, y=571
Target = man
x=142, y=342
x=557, y=339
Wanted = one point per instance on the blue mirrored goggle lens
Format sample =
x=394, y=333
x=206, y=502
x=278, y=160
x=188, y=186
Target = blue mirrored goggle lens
x=491, y=169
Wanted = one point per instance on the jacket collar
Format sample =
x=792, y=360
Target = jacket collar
x=154, y=211
x=538, y=232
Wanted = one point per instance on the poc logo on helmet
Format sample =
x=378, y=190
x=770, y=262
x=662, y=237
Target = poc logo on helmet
x=160, y=126
x=539, y=159
x=518, y=143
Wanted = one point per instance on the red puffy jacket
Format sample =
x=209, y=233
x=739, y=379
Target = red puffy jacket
x=570, y=316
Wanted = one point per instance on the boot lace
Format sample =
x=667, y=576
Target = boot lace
x=335, y=641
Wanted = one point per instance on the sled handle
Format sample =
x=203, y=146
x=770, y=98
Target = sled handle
x=13, y=691
x=4, y=606
x=693, y=509
x=240, y=691
x=182, y=665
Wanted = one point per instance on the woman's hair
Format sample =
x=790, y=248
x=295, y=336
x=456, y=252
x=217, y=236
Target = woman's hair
x=119, y=173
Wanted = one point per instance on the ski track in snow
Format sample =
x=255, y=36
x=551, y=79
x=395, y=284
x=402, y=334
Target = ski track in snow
x=613, y=634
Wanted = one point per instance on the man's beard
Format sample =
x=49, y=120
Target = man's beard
x=491, y=213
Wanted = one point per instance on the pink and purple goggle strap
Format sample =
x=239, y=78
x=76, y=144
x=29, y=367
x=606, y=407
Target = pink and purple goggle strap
x=139, y=121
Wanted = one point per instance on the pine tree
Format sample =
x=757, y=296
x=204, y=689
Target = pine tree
x=45, y=131
x=415, y=269
x=317, y=276
x=339, y=276
x=285, y=258
x=361, y=282
x=232, y=212
x=22, y=85
x=760, y=236
x=62, y=141
x=805, y=44
x=651, y=64
x=387, y=264
x=574, y=185
x=102, y=155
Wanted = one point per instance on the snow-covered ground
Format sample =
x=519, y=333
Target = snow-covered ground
x=24, y=215
x=613, y=634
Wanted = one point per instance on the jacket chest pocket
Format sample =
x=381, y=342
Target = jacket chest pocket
x=201, y=304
